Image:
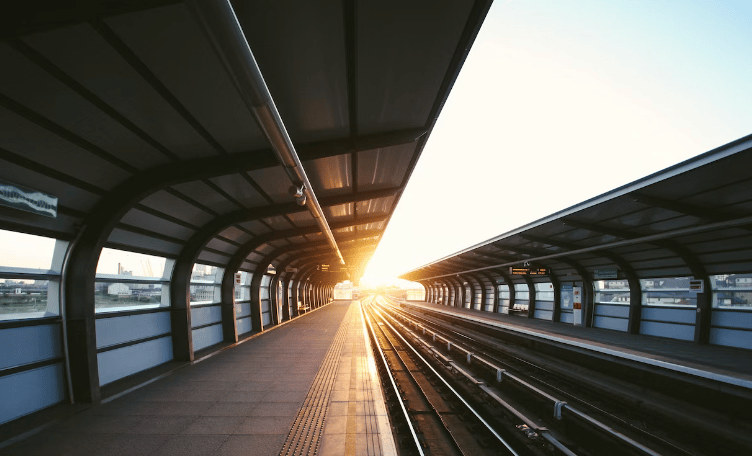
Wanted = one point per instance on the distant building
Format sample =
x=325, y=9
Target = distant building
x=119, y=289
x=202, y=294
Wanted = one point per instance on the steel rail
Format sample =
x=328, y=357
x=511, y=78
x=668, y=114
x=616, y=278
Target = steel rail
x=565, y=406
x=220, y=24
x=443, y=380
x=392, y=381
x=583, y=416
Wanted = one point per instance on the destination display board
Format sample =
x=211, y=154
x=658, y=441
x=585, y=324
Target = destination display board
x=600, y=274
x=529, y=271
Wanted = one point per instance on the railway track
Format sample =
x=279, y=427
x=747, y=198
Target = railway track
x=431, y=416
x=543, y=402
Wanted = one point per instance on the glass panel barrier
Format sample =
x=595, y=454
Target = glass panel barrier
x=206, y=284
x=521, y=292
x=667, y=291
x=732, y=291
x=612, y=292
x=544, y=292
x=243, y=290
x=30, y=268
x=130, y=281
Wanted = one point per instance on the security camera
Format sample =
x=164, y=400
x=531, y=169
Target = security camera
x=298, y=191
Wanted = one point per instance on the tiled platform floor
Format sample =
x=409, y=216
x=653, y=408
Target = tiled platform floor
x=356, y=421
x=241, y=401
x=726, y=361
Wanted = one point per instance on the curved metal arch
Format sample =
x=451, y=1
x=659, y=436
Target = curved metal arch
x=510, y=284
x=261, y=268
x=704, y=299
x=426, y=291
x=556, y=283
x=456, y=291
x=483, y=292
x=468, y=291
x=494, y=292
x=531, y=296
x=702, y=322
x=434, y=293
x=288, y=311
x=450, y=292
x=444, y=292
x=305, y=285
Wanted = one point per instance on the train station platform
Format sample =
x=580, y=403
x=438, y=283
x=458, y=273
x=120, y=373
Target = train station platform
x=725, y=365
x=307, y=386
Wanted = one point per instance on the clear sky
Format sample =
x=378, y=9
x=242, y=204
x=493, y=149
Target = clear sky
x=564, y=100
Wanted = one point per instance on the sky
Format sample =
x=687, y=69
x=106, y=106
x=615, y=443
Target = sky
x=561, y=101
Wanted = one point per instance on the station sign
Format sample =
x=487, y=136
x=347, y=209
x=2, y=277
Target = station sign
x=238, y=278
x=601, y=274
x=529, y=271
x=26, y=199
x=696, y=286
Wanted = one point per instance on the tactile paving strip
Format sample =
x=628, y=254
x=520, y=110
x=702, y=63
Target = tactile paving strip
x=306, y=430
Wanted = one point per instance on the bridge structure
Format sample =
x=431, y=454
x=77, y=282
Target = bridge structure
x=183, y=183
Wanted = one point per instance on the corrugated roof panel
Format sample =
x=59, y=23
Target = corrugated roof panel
x=175, y=207
x=212, y=258
x=313, y=106
x=375, y=206
x=339, y=213
x=33, y=142
x=400, y=71
x=234, y=234
x=302, y=218
x=171, y=44
x=134, y=241
x=84, y=55
x=278, y=223
x=255, y=227
x=275, y=183
x=384, y=168
x=240, y=189
x=330, y=176
x=139, y=218
x=38, y=91
x=222, y=246
x=206, y=196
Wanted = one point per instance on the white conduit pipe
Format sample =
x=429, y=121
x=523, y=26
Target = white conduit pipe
x=220, y=24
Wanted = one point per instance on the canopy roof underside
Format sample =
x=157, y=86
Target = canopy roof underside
x=125, y=109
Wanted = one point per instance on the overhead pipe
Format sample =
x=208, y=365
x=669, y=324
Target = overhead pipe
x=221, y=25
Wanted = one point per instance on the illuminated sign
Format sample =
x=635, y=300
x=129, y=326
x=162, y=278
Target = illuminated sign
x=529, y=271
x=28, y=200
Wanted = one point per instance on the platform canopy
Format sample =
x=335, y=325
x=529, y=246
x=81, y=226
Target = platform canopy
x=693, y=219
x=128, y=114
